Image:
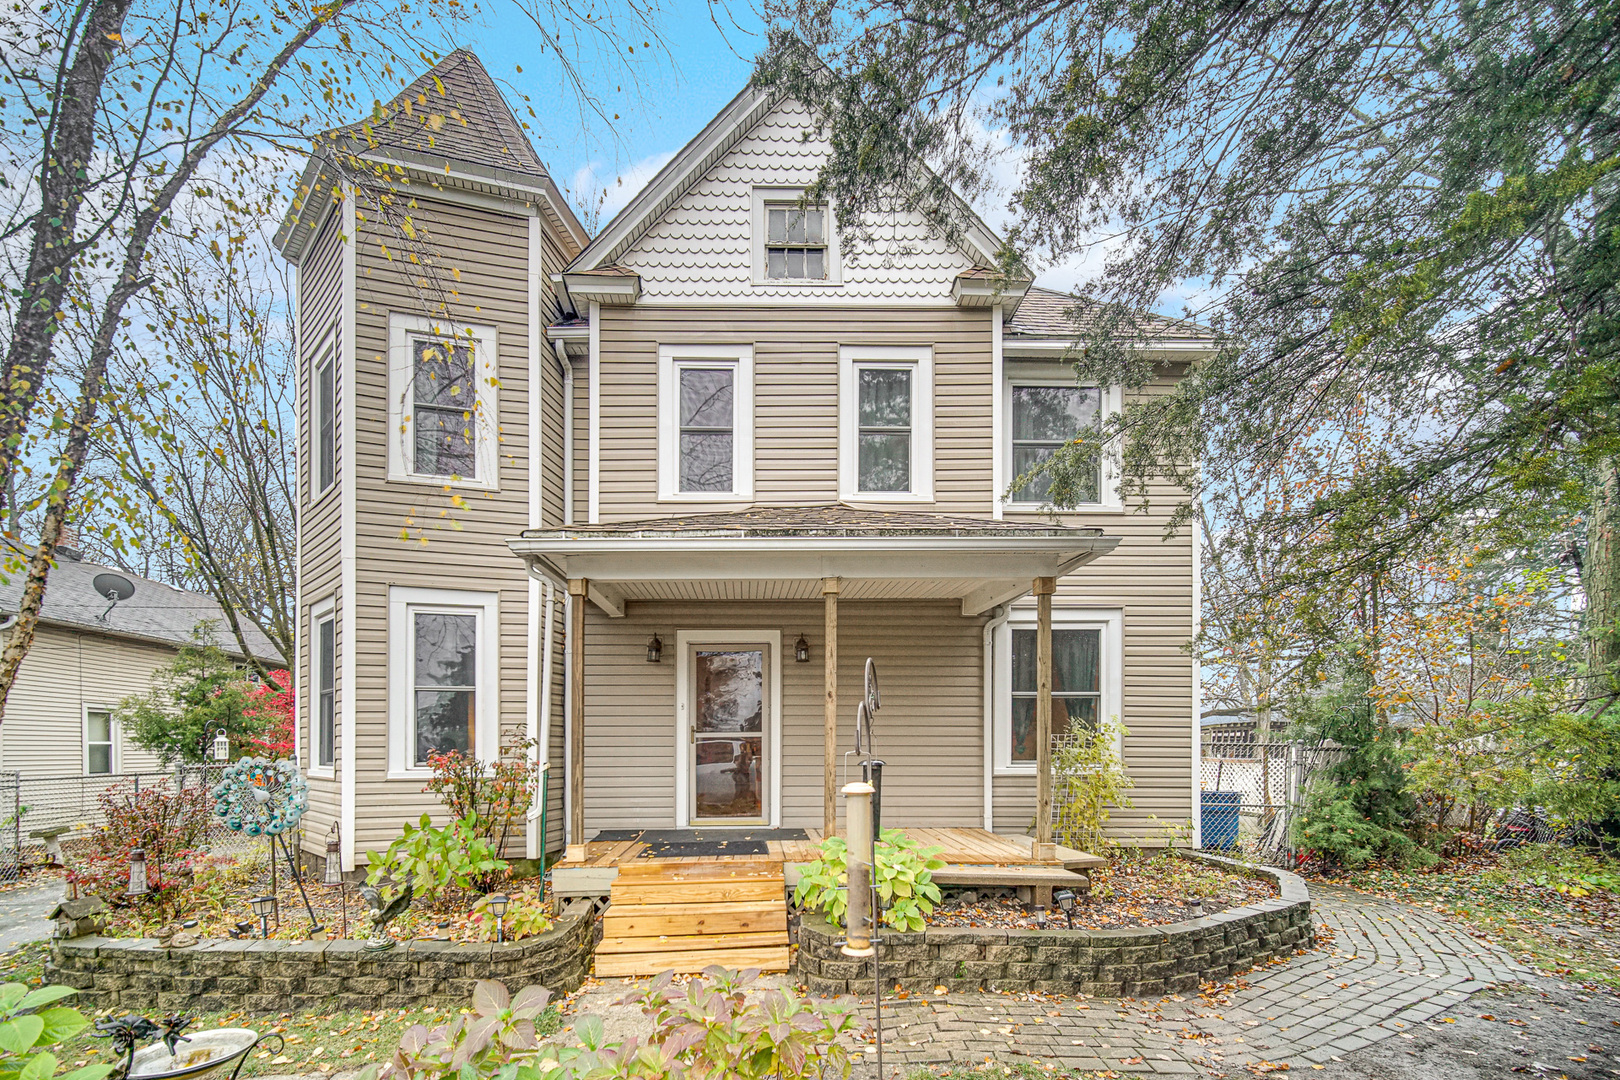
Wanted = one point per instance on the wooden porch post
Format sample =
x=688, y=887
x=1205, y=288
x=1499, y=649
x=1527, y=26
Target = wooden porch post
x=829, y=777
x=1044, y=848
x=576, y=689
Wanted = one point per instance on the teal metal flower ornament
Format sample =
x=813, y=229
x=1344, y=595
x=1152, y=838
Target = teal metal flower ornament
x=260, y=796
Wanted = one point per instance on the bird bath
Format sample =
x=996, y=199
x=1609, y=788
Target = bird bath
x=203, y=1053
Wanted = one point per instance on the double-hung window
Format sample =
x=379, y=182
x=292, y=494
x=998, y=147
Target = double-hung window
x=100, y=749
x=442, y=675
x=323, y=696
x=1086, y=675
x=795, y=242
x=706, y=423
x=886, y=413
x=442, y=401
x=326, y=421
x=1046, y=411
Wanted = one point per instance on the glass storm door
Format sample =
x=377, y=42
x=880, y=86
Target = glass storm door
x=727, y=732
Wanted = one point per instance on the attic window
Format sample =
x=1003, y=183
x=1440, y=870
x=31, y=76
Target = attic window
x=795, y=242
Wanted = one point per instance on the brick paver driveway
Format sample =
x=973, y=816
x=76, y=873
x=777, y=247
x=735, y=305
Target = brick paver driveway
x=1387, y=966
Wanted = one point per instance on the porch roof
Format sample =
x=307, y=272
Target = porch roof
x=787, y=553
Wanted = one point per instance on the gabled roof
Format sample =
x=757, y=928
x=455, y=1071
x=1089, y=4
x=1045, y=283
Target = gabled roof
x=453, y=126
x=1046, y=313
x=687, y=167
x=453, y=110
x=156, y=613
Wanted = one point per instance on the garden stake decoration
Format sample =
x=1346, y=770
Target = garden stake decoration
x=261, y=797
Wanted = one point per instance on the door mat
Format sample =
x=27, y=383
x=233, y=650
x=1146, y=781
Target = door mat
x=699, y=843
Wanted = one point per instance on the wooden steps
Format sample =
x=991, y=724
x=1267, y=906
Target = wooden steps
x=680, y=916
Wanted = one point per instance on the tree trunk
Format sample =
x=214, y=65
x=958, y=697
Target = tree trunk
x=1601, y=580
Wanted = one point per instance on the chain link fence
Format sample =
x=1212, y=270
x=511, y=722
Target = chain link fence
x=1252, y=792
x=51, y=818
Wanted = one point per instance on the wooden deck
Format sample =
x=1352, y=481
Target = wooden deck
x=687, y=912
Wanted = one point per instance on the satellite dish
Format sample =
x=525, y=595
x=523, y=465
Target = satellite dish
x=114, y=587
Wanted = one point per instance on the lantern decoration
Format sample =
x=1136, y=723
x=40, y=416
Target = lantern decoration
x=222, y=746
x=261, y=797
x=138, y=883
x=497, y=906
x=261, y=908
x=655, y=650
x=334, y=858
x=801, y=650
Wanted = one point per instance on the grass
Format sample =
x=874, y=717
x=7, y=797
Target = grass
x=332, y=1042
x=1555, y=909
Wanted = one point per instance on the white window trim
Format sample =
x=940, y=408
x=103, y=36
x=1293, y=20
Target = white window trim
x=328, y=356
x=403, y=604
x=320, y=612
x=772, y=640
x=401, y=445
x=1111, y=622
x=1039, y=373
x=850, y=359
x=767, y=196
x=115, y=760
x=671, y=358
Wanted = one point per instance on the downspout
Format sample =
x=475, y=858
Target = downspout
x=998, y=618
x=540, y=731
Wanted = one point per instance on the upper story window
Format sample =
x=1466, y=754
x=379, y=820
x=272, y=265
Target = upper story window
x=794, y=242
x=1044, y=411
x=705, y=422
x=325, y=427
x=442, y=675
x=886, y=424
x=442, y=401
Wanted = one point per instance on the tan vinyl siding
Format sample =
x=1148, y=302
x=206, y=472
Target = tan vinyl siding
x=930, y=731
x=490, y=252
x=1150, y=579
x=552, y=406
x=795, y=399
x=320, y=310
x=65, y=672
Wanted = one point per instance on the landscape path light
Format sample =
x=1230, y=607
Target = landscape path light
x=1065, y=900
x=261, y=908
x=138, y=883
x=497, y=904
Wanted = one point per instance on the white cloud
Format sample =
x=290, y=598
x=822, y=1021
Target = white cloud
x=602, y=191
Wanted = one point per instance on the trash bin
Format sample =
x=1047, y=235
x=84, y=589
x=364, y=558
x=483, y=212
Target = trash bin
x=1218, y=819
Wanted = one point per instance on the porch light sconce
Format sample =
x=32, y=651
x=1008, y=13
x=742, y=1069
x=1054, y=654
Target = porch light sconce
x=1065, y=899
x=138, y=884
x=497, y=906
x=655, y=650
x=261, y=908
x=801, y=650
x=222, y=746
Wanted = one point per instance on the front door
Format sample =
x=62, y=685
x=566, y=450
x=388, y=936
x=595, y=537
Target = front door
x=729, y=732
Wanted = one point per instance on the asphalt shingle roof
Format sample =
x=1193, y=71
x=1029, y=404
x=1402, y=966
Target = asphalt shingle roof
x=454, y=110
x=157, y=612
x=1048, y=313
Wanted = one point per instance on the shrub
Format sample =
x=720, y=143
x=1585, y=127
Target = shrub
x=1088, y=778
x=202, y=691
x=440, y=864
x=28, y=1028
x=709, y=1030
x=495, y=796
x=273, y=704
x=906, y=889
x=169, y=826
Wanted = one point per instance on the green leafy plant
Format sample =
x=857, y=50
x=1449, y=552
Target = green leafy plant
x=904, y=874
x=440, y=864
x=1088, y=778
x=28, y=1028
x=494, y=795
x=526, y=916
x=1564, y=870
x=201, y=692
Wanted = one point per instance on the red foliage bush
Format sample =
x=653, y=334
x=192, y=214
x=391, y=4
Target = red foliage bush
x=168, y=825
x=274, y=702
x=496, y=795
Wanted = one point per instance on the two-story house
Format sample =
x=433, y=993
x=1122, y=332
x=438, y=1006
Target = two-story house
x=653, y=500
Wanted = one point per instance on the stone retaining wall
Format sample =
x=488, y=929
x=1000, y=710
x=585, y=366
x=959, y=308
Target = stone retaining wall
x=1146, y=961
x=278, y=976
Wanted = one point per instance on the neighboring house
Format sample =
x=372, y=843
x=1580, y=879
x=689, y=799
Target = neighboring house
x=710, y=463
x=89, y=654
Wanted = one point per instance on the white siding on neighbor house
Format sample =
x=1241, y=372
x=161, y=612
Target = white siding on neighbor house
x=701, y=249
x=930, y=729
x=64, y=673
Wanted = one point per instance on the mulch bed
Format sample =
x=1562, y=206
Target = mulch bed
x=1134, y=890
